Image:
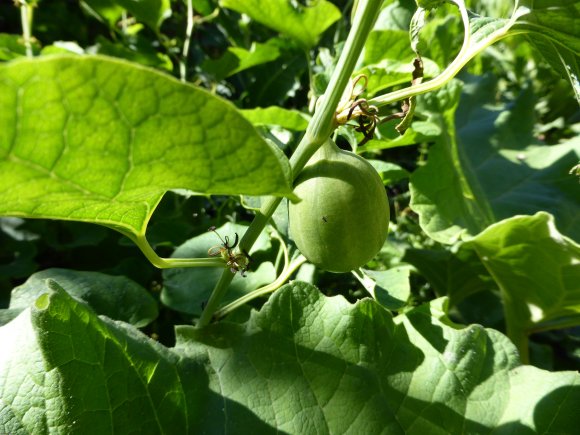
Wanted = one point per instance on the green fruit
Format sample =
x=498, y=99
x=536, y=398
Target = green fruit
x=343, y=218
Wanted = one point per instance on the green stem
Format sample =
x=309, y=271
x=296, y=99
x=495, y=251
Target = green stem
x=515, y=332
x=26, y=20
x=319, y=129
x=467, y=52
x=262, y=291
x=169, y=263
x=186, y=42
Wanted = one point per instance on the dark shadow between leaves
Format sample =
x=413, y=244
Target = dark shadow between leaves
x=558, y=411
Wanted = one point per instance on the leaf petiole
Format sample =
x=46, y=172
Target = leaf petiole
x=169, y=263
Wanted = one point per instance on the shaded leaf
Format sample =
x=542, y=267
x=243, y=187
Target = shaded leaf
x=390, y=288
x=275, y=82
x=455, y=274
x=237, y=59
x=491, y=167
x=139, y=52
x=553, y=26
x=114, y=296
x=389, y=172
x=417, y=374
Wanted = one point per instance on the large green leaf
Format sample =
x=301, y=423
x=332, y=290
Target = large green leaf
x=114, y=296
x=304, y=24
x=304, y=364
x=98, y=140
x=536, y=268
x=487, y=166
x=65, y=369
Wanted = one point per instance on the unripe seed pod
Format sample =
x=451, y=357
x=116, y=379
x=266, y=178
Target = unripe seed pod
x=343, y=218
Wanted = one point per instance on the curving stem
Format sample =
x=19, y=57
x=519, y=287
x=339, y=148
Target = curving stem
x=319, y=129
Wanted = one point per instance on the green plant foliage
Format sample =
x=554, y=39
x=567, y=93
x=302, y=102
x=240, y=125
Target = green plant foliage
x=171, y=121
x=492, y=169
x=237, y=59
x=387, y=137
x=304, y=24
x=553, y=29
x=455, y=274
x=547, y=295
x=404, y=375
x=113, y=296
x=289, y=119
x=187, y=290
x=150, y=12
x=109, y=123
x=390, y=288
x=12, y=47
x=388, y=60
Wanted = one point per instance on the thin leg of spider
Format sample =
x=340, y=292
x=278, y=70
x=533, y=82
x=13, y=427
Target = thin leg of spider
x=361, y=103
x=398, y=115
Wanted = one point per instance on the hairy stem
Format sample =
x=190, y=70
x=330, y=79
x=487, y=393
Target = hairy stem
x=319, y=129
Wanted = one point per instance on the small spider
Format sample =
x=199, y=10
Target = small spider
x=236, y=262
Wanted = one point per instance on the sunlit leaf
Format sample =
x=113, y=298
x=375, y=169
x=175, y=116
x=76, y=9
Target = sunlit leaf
x=536, y=268
x=98, y=140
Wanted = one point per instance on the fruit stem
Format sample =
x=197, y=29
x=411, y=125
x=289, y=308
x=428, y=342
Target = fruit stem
x=319, y=130
x=262, y=291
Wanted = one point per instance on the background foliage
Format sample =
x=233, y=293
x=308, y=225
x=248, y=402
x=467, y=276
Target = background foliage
x=130, y=115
